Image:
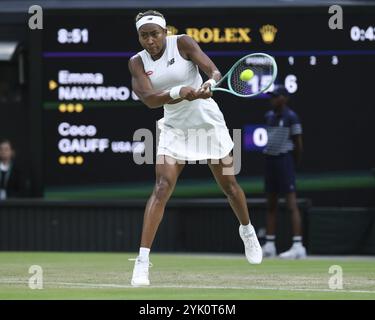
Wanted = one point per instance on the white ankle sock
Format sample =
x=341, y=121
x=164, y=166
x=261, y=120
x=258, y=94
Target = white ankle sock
x=248, y=228
x=270, y=238
x=297, y=241
x=144, y=252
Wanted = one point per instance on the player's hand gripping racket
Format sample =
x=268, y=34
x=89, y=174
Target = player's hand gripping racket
x=249, y=76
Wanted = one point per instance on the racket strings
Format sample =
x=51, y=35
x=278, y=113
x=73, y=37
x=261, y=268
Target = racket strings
x=263, y=71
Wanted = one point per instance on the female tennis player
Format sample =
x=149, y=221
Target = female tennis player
x=166, y=73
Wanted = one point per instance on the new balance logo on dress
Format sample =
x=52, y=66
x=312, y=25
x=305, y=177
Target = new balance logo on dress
x=170, y=62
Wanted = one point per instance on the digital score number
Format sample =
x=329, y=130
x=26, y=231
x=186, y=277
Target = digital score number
x=362, y=34
x=74, y=36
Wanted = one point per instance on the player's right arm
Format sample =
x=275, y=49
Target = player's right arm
x=142, y=87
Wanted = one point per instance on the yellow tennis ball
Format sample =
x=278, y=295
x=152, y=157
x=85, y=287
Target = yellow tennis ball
x=246, y=75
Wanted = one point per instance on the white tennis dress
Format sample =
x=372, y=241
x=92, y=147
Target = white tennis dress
x=190, y=130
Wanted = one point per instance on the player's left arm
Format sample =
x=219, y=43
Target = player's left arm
x=193, y=52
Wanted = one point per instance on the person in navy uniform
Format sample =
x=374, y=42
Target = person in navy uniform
x=282, y=152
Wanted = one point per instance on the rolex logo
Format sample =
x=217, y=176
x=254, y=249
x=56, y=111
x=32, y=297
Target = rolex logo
x=171, y=31
x=268, y=33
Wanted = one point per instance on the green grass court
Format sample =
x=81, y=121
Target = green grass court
x=193, y=188
x=183, y=276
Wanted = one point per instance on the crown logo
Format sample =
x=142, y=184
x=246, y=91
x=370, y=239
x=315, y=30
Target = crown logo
x=171, y=31
x=268, y=33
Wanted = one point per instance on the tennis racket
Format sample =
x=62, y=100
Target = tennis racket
x=264, y=69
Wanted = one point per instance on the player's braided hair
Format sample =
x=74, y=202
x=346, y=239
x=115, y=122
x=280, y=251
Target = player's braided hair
x=148, y=13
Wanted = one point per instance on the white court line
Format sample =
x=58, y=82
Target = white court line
x=110, y=285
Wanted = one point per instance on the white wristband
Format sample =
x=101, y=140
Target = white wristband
x=174, y=93
x=212, y=82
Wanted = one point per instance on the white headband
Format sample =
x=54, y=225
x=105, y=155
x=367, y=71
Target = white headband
x=151, y=19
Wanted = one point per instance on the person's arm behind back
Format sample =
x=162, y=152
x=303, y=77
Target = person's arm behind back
x=298, y=147
x=296, y=135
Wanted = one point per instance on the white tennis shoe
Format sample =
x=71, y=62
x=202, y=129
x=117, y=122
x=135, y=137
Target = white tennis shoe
x=297, y=251
x=253, y=249
x=140, y=272
x=269, y=250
